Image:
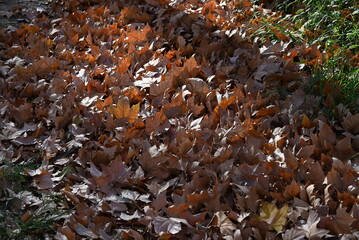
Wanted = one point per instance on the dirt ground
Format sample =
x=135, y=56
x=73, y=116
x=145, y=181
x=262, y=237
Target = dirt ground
x=9, y=18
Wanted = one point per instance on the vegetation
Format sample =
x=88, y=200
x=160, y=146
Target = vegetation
x=334, y=26
x=25, y=212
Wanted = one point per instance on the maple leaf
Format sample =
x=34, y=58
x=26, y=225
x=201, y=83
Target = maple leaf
x=276, y=218
x=124, y=110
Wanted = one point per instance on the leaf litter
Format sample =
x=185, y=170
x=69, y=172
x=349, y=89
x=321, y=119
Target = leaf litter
x=167, y=119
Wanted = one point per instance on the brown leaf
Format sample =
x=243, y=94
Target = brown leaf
x=291, y=190
x=22, y=113
x=343, y=149
x=26, y=216
x=351, y=123
x=130, y=14
x=140, y=35
x=290, y=159
x=101, y=105
x=182, y=211
x=123, y=64
x=268, y=148
x=68, y=233
x=197, y=199
x=326, y=136
x=267, y=111
x=160, y=201
x=339, y=223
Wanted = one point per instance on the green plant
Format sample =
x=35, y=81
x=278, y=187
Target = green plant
x=25, y=212
x=333, y=25
x=34, y=223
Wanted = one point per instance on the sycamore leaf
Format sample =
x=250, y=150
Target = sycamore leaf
x=306, y=123
x=124, y=110
x=276, y=218
x=340, y=223
x=84, y=231
x=70, y=235
x=310, y=228
x=291, y=190
x=168, y=225
x=293, y=234
x=226, y=226
x=326, y=136
x=351, y=123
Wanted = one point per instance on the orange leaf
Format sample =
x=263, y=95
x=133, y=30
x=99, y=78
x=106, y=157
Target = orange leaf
x=268, y=148
x=123, y=64
x=101, y=105
x=68, y=233
x=306, y=123
x=268, y=111
x=26, y=216
x=124, y=110
x=291, y=190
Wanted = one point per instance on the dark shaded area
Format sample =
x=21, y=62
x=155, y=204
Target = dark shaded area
x=15, y=12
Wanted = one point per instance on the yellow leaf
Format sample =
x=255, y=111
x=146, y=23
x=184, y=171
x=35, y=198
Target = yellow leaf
x=276, y=218
x=124, y=110
x=134, y=112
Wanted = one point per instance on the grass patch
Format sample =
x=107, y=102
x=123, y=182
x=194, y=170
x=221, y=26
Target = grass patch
x=333, y=25
x=25, y=213
x=330, y=24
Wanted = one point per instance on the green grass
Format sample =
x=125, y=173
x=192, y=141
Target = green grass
x=15, y=187
x=333, y=25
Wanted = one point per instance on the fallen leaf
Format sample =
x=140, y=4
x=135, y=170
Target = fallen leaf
x=225, y=225
x=351, y=123
x=168, y=225
x=310, y=228
x=124, y=110
x=276, y=218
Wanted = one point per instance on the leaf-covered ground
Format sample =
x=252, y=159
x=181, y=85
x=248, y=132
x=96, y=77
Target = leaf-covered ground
x=164, y=119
